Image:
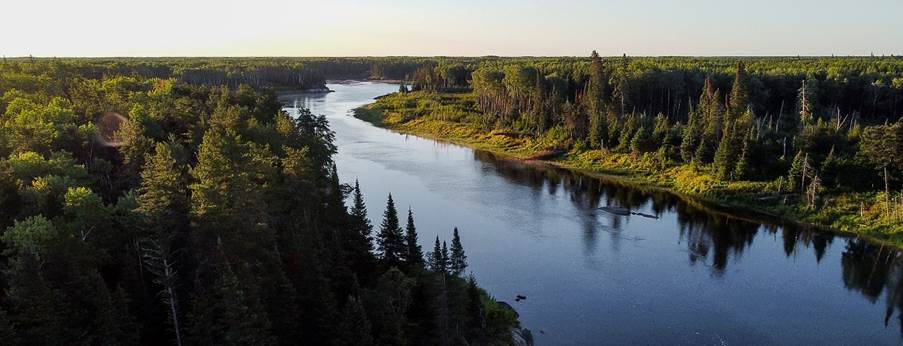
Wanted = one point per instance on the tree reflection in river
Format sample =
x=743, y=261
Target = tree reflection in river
x=712, y=238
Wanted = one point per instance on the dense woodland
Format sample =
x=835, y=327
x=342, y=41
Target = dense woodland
x=168, y=201
x=808, y=133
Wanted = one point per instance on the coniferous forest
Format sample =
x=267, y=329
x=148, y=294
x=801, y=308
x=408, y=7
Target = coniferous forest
x=146, y=206
x=811, y=139
x=172, y=201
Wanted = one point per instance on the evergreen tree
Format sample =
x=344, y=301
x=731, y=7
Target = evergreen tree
x=361, y=241
x=414, y=254
x=741, y=168
x=828, y=170
x=799, y=169
x=595, y=94
x=243, y=319
x=355, y=328
x=446, y=259
x=391, y=237
x=114, y=323
x=712, y=118
x=437, y=263
x=726, y=154
x=739, y=101
x=691, y=135
x=476, y=320
x=161, y=197
x=640, y=141
x=39, y=312
x=458, y=260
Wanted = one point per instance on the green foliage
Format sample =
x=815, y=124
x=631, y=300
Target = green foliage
x=32, y=235
x=209, y=216
x=721, y=148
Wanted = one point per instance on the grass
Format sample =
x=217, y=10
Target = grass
x=455, y=118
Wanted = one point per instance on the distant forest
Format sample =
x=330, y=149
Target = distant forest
x=815, y=139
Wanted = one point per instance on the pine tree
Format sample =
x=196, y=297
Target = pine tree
x=726, y=154
x=712, y=117
x=355, y=328
x=162, y=198
x=414, y=254
x=595, y=94
x=476, y=319
x=244, y=321
x=739, y=92
x=391, y=237
x=39, y=311
x=113, y=322
x=828, y=170
x=437, y=264
x=361, y=240
x=446, y=259
x=741, y=168
x=458, y=260
x=799, y=170
x=640, y=141
x=691, y=135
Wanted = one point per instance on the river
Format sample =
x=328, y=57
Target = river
x=689, y=277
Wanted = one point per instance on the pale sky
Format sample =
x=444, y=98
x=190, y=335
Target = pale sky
x=449, y=27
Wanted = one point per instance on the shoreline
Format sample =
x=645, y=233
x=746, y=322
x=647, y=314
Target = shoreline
x=628, y=178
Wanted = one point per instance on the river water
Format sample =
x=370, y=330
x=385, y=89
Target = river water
x=691, y=276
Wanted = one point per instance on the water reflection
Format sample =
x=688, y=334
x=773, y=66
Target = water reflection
x=680, y=273
x=712, y=239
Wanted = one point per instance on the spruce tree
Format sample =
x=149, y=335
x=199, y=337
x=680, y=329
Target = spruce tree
x=414, y=254
x=355, y=328
x=391, y=237
x=446, y=259
x=39, y=312
x=691, y=135
x=595, y=94
x=435, y=257
x=162, y=198
x=476, y=319
x=458, y=260
x=741, y=168
x=739, y=92
x=712, y=116
x=360, y=242
x=726, y=153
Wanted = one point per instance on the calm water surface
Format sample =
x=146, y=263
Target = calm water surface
x=689, y=277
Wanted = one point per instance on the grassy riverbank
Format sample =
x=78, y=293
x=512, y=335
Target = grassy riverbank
x=455, y=118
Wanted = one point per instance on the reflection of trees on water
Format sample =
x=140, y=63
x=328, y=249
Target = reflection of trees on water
x=713, y=239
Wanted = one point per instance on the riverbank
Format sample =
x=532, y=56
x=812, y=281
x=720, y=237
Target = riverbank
x=452, y=118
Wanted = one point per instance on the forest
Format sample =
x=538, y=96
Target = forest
x=172, y=201
x=811, y=139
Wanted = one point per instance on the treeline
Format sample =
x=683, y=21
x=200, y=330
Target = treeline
x=808, y=127
x=297, y=73
x=140, y=210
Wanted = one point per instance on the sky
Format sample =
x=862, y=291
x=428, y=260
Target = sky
x=449, y=27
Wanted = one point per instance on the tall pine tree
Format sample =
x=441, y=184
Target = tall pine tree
x=458, y=260
x=414, y=254
x=391, y=237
